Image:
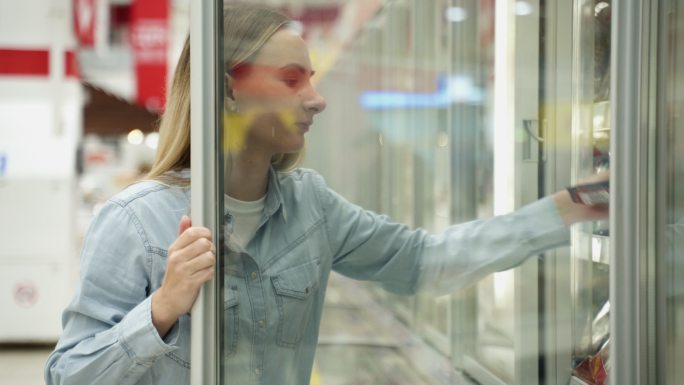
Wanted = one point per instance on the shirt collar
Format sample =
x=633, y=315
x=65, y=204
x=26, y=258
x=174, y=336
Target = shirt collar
x=274, y=197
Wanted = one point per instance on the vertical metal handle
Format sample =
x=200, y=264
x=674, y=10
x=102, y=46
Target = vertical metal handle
x=205, y=70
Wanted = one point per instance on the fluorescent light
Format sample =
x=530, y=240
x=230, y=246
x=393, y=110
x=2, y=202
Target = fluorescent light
x=456, y=14
x=523, y=8
x=450, y=89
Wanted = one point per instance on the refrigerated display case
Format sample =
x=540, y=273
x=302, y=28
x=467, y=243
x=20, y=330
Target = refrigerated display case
x=541, y=120
x=590, y=145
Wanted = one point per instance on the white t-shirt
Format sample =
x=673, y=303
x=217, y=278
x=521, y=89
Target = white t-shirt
x=246, y=218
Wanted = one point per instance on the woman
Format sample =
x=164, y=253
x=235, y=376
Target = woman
x=143, y=263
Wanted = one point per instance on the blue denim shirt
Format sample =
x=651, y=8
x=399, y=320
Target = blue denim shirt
x=274, y=289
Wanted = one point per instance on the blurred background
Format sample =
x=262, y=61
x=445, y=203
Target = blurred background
x=82, y=84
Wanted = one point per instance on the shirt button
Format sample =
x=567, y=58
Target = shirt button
x=257, y=371
x=254, y=275
x=261, y=323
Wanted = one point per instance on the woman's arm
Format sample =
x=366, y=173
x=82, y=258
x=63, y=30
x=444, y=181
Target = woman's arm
x=109, y=337
x=368, y=246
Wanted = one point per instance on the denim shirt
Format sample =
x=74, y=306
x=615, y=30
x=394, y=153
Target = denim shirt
x=274, y=289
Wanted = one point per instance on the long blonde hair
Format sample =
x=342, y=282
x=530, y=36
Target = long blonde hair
x=246, y=28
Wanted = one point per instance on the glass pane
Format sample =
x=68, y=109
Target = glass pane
x=671, y=181
x=411, y=131
x=488, y=329
x=591, y=142
x=499, y=326
x=432, y=155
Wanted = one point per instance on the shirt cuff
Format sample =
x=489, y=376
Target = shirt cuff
x=140, y=338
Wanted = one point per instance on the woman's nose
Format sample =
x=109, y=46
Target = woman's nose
x=314, y=102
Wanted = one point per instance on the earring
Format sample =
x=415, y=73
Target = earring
x=230, y=105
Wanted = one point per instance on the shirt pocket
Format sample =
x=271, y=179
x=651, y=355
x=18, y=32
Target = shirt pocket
x=230, y=321
x=294, y=290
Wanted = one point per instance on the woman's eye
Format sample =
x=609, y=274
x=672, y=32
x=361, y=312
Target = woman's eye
x=291, y=82
x=291, y=78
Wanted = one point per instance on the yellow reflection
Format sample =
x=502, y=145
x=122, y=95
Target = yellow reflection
x=315, y=377
x=236, y=126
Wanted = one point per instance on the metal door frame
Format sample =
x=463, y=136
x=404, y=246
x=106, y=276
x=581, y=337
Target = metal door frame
x=206, y=58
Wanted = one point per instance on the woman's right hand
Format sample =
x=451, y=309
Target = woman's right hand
x=190, y=263
x=572, y=212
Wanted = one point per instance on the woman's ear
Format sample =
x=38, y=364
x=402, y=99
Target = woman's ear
x=229, y=103
x=228, y=84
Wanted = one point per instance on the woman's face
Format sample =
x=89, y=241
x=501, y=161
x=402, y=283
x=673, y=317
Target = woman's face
x=275, y=97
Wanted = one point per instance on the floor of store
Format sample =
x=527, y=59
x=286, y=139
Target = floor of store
x=360, y=343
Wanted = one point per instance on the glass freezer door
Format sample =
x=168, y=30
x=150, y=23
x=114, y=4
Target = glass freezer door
x=591, y=133
x=577, y=138
x=497, y=319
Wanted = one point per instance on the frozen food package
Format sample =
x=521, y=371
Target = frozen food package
x=592, y=194
x=593, y=370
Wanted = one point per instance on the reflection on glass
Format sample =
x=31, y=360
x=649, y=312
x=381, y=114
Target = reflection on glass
x=417, y=87
x=484, y=329
x=495, y=345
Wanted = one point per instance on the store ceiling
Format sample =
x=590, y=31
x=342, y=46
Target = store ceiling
x=109, y=115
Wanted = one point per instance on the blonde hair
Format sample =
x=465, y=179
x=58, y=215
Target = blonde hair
x=246, y=28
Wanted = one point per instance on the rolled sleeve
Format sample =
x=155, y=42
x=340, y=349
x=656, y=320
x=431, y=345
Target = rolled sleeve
x=139, y=336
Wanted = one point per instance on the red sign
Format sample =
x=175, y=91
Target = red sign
x=31, y=62
x=85, y=21
x=24, y=62
x=149, y=40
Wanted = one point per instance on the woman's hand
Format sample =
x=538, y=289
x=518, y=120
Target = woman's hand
x=190, y=263
x=572, y=212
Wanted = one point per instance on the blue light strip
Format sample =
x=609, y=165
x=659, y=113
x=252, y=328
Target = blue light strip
x=450, y=90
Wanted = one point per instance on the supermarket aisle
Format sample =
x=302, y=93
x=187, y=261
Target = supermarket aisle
x=363, y=343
